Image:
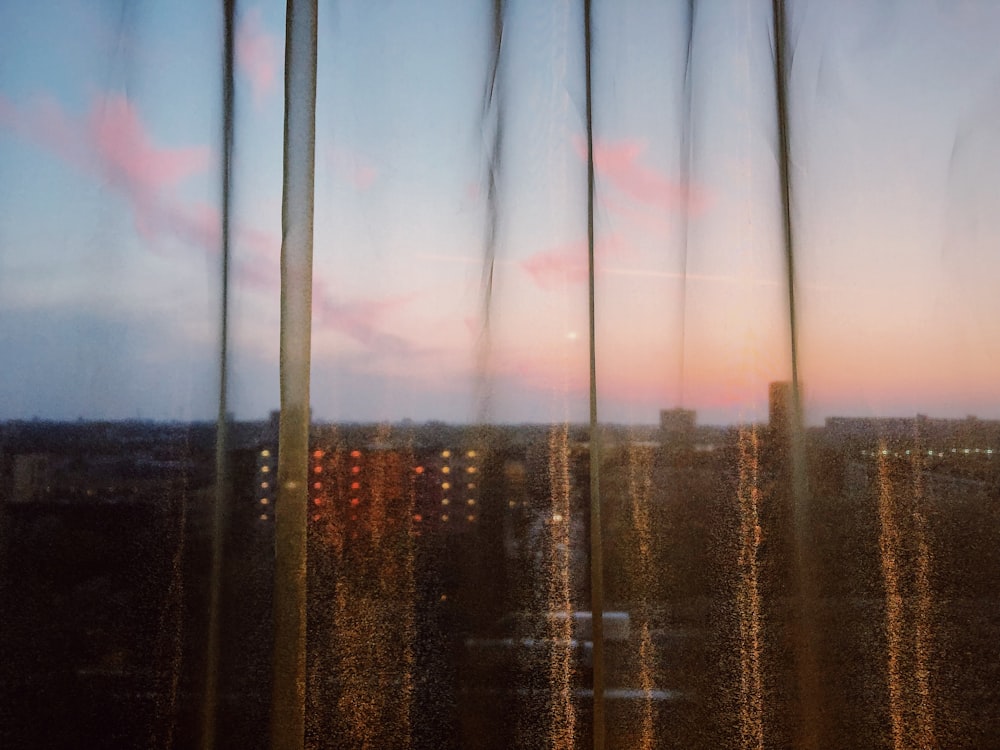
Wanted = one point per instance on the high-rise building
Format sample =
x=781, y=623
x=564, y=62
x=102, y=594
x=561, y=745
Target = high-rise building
x=677, y=427
x=781, y=406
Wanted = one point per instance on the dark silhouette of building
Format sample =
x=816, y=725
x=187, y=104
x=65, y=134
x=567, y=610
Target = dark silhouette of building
x=677, y=430
x=780, y=407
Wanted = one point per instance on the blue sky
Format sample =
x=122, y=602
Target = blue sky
x=109, y=142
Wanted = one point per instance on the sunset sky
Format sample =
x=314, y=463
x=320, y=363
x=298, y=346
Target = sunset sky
x=110, y=135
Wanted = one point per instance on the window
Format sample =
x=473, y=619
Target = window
x=695, y=300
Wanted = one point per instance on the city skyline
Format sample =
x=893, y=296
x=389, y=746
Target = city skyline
x=110, y=226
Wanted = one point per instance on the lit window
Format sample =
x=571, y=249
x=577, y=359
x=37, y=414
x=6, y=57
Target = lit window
x=317, y=454
x=264, y=485
x=264, y=501
x=470, y=519
x=417, y=517
x=471, y=454
x=471, y=470
x=470, y=501
x=317, y=501
x=355, y=454
x=265, y=453
x=354, y=501
x=445, y=470
x=263, y=516
x=445, y=486
x=445, y=454
x=445, y=501
x=317, y=485
x=264, y=469
x=317, y=469
x=444, y=516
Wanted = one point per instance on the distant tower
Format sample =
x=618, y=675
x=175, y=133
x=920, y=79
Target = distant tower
x=780, y=403
x=677, y=429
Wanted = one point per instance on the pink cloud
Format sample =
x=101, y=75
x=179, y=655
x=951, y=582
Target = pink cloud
x=554, y=266
x=126, y=155
x=111, y=143
x=256, y=54
x=619, y=163
x=43, y=122
x=360, y=320
x=568, y=264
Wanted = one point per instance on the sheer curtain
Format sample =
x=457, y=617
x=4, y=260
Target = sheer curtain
x=499, y=374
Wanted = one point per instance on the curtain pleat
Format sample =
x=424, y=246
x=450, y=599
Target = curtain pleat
x=288, y=704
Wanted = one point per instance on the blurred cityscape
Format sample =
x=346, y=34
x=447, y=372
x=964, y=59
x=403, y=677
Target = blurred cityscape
x=749, y=571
